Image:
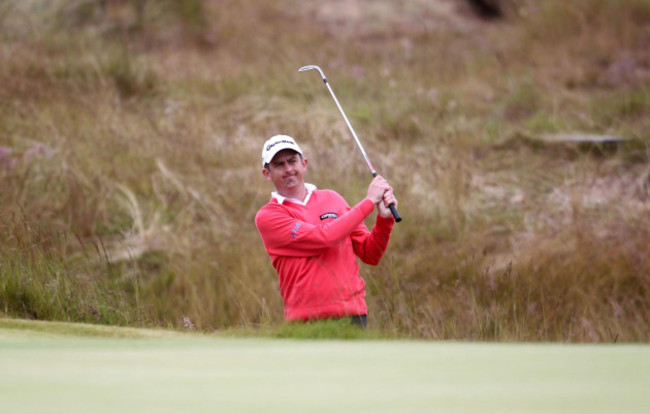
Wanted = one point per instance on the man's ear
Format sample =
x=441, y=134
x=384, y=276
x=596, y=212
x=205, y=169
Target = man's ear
x=266, y=174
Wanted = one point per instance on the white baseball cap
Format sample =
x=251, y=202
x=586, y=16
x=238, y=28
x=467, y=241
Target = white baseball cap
x=276, y=144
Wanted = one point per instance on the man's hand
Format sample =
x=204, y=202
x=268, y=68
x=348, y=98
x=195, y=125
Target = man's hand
x=382, y=206
x=381, y=193
x=378, y=186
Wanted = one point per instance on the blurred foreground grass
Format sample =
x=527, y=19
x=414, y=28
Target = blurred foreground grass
x=57, y=367
x=130, y=134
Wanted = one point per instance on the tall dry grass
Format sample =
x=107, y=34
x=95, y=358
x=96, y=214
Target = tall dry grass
x=129, y=160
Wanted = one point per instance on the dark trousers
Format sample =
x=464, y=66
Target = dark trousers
x=360, y=321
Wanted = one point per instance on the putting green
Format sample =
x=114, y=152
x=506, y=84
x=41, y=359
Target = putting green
x=45, y=372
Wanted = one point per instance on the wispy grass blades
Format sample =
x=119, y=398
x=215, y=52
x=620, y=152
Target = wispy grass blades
x=40, y=280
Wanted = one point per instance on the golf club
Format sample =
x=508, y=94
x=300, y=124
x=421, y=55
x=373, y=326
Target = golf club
x=392, y=207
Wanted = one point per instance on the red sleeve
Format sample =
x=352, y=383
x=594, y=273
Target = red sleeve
x=370, y=246
x=285, y=235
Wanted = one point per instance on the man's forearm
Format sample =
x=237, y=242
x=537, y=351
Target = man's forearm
x=284, y=235
x=370, y=247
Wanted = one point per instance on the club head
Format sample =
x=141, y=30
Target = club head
x=310, y=67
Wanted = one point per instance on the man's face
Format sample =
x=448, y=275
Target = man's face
x=286, y=171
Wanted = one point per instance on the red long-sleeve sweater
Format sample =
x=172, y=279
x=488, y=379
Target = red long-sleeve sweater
x=313, y=248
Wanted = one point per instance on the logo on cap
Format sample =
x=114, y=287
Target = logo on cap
x=276, y=144
x=284, y=141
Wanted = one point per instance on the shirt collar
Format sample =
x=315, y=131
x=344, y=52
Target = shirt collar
x=309, y=187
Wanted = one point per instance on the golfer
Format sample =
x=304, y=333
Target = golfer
x=313, y=237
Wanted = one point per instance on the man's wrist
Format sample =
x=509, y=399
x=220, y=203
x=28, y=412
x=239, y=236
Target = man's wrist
x=372, y=201
x=385, y=213
x=368, y=205
x=388, y=220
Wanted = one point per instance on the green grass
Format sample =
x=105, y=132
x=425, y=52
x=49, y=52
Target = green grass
x=66, y=368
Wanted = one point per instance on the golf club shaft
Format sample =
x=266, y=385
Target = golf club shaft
x=392, y=207
x=356, y=138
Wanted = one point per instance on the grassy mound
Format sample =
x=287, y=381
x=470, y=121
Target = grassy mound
x=130, y=134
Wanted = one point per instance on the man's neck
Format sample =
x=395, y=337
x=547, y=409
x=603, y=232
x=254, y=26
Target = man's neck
x=298, y=192
x=309, y=189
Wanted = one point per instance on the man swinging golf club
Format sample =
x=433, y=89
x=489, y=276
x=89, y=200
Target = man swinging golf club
x=313, y=237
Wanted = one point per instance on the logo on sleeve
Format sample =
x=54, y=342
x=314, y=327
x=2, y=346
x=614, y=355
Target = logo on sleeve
x=295, y=230
x=329, y=216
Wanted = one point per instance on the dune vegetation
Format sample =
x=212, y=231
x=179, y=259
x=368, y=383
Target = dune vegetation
x=131, y=132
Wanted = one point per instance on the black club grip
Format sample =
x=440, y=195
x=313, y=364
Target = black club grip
x=393, y=210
